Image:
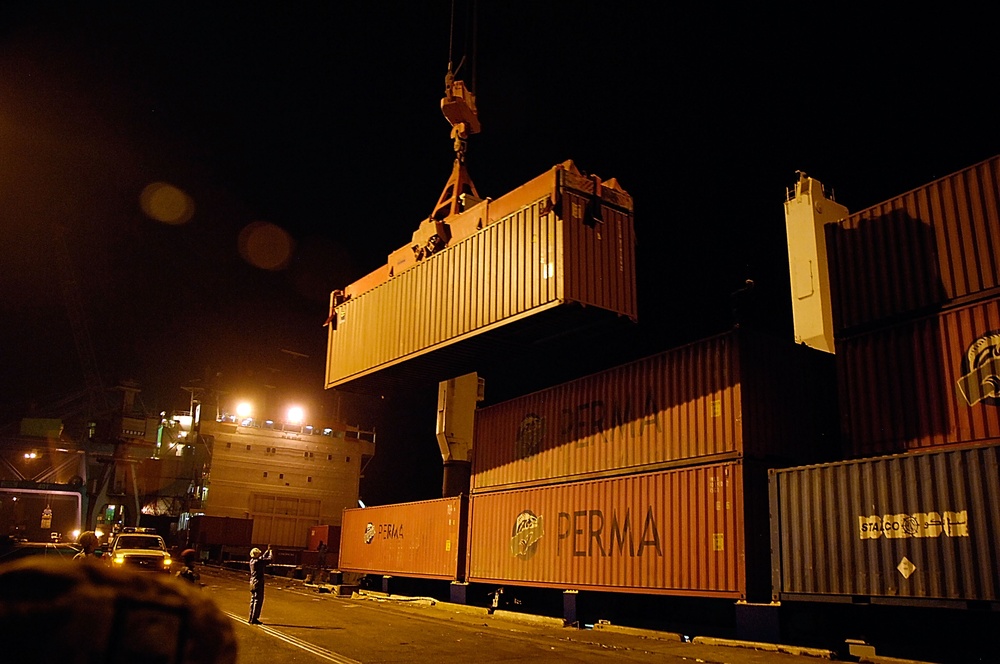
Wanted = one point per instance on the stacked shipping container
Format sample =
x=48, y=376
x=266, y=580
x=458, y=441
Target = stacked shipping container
x=923, y=383
x=907, y=529
x=925, y=250
x=648, y=477
x=915, y=285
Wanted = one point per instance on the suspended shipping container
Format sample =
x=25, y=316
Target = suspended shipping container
x=424, y=539
x=526, y=272
x=925, y=249
x=917, y=529
x=733, y=395
x=695, y=531
x=923, y=383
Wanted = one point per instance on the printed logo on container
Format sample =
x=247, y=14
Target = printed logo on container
x=369, y=532
x=527, y=532
x=921, y=524
x=980, y=380
x=530, y=434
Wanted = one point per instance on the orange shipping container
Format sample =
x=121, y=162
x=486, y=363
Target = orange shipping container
x=677, y=532
x=561, y=255
x=736, y=394
x=422, y=539
x=926, y=248
x=923, y=383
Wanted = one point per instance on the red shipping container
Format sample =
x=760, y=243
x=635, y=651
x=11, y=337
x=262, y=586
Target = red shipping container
x=733, y=395
x=927, y=248
x=923, y=383
x=676, y=532
x=424, y=539
x=213, y=530
x=328, y=535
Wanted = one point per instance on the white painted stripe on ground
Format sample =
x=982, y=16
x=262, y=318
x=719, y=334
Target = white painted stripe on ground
x=328, y=655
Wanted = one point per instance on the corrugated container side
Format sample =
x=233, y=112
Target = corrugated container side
x=913, y=528
x=924, y=383
x=726, y=396
x=602, y=271
x=677, y=532
x=424, y=539
x=536, y=259
x=926, y=248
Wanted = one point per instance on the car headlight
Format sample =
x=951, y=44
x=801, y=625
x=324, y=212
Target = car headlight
x=166, y=561
x=119, y=559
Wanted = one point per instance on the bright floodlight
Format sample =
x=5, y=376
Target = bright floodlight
x=295, y=415
x=244, y=409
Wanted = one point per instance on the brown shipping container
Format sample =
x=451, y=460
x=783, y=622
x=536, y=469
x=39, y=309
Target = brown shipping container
x=926, y=248
x=328, y=535
x=424, y=539
x=207, y=530
x=924, y=383
x=909, y=529
x=735, y=394
x=563, y=256
x=676, y=532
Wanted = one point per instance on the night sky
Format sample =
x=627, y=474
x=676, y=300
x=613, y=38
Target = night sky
x=309, y=142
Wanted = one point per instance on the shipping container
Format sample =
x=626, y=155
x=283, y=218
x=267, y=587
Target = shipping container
x=204, y=530
x=424, y=539
x=921, y=528
x=930, y=247
x=328, y=535
x=732, y=395
x=924, y=383
x=555, y=255
x=696, y=531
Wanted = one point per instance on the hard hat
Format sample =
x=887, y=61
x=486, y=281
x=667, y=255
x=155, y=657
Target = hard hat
x=255, y=552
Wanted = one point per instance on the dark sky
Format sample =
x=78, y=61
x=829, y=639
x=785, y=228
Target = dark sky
x=323, y=120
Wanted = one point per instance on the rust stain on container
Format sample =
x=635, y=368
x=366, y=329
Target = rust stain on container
x=424, y=539
x=678, y=532
x=562, y=256
x=924, y=383
x=927, y=248
x=909, y=529
x=736, y=394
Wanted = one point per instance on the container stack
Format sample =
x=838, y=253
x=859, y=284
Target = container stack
x=649, y=477
x=913, y=516
x=915, y=286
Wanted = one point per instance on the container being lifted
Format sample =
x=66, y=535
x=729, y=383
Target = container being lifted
x=519, y=273
x=551, y=256
x=487, y=282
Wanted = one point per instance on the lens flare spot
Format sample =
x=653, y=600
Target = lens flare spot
x=265, y=245
x=166, y=203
